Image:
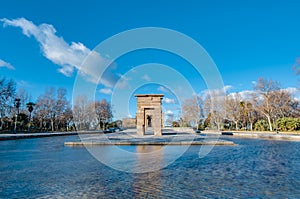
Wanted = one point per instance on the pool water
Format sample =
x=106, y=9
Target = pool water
x=45, y=168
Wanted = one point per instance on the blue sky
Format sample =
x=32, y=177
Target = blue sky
x=245, y=39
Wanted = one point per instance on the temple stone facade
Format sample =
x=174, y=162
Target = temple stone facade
x=149, y=114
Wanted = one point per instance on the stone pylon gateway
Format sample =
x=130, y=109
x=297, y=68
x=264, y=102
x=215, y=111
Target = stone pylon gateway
x=149, y=114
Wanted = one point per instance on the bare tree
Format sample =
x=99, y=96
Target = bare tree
x=285, y=104
x=24, y=97
x=214, y=107
x=84, y=113
x=266, y=99
x=60, y=107
x=52, y=108
x=68, y=116
x=103, y=112
x=192, y=111
x=41, y=111
x=45, y=108
x=7, y=97
x=233, y=111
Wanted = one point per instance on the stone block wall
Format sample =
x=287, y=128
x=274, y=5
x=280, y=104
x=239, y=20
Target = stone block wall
x=149, y=105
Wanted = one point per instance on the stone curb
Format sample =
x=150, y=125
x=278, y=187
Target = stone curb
x=99, y=143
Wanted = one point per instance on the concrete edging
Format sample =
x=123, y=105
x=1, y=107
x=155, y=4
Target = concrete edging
x=128, y=143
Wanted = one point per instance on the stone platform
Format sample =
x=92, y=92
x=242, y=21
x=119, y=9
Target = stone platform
x=132, y=138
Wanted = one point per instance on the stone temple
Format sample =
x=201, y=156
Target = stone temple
x=149, y=118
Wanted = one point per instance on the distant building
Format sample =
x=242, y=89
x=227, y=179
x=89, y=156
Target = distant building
x=129, y=123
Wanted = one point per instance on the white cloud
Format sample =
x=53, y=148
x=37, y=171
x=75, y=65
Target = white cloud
x=220, y=92
x=162, y=89
x=94, y=66
x=6, y=65
x=23, y=84
x=295, y=92
x=168, y=100
x=246, y=94
x=54, y=48
x=227, y=88
x=69, y=56
x=106, y=91
x=169, y=113
x=146, y=77
x=291, y=90
x=123, y=82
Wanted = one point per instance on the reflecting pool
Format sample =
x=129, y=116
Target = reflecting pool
x=45, y=168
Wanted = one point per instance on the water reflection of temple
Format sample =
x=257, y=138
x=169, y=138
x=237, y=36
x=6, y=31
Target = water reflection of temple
x=149, y=158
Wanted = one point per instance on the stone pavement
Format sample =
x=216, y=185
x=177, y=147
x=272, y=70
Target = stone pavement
x=130, y=137
x=15, y=136
x=267, y=135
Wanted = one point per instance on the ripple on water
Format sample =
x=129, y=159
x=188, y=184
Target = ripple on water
x=253, y=169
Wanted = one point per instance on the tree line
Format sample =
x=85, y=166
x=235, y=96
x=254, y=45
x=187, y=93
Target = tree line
x=51, y=111
x=267, y=108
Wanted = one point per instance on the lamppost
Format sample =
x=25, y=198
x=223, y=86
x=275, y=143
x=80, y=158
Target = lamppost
x=17, y=105
x=30, y=106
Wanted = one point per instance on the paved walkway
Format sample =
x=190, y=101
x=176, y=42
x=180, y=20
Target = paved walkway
x=267, y=135
x=130, y=137
x=15, y=136
x=287, y=136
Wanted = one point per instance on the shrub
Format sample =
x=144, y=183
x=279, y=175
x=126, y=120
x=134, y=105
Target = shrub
x=261, y=125
x=175, y=124
x=201, y=127
x=288, y=124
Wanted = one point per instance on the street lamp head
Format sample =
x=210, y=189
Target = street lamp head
x=30, y=106
x=17, y=102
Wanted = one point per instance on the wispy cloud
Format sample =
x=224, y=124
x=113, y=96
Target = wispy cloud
x=23, y=84
x=227, y=88
x=295, y=92
x=123, y=82
x=54, y=48
x=146, y=77
x=253, y=83
x=169, y=100
x=69, y=56
x=296, y=66
x=6, y=65
x=169, y=113
x=162, y=89
x=245, y=94
x=106, y=91
x=221, y=91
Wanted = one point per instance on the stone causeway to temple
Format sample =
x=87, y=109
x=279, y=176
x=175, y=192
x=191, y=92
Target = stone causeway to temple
x=131, y=137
